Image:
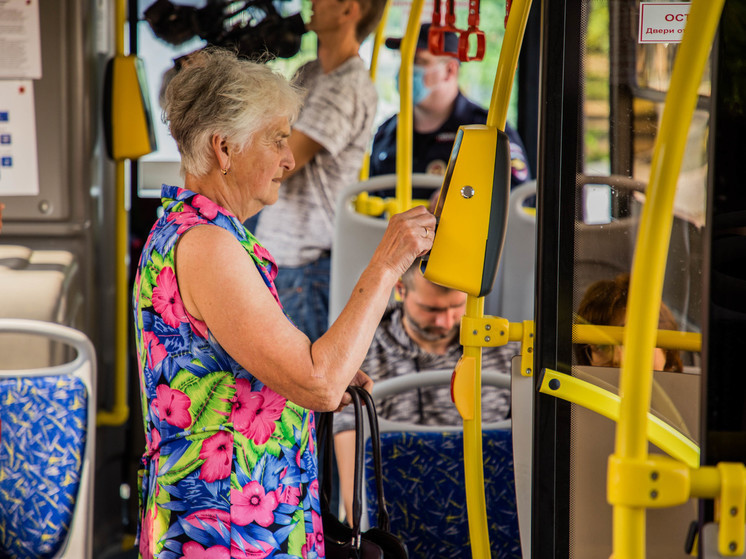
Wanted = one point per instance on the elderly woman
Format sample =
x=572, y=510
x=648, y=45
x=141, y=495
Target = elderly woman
x=228, y=384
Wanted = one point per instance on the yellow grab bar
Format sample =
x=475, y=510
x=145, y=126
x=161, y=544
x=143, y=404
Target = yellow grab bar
x=646, y=282
x=119, y=413
x=473, y=461
x=377, y=40
x=507, y=63
x=614, y=335
x=603, y=402
x=404, y=126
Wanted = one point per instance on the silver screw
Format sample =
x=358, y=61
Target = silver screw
x=467, y=191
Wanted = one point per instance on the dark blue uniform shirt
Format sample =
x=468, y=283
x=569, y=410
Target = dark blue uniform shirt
x=430, y=152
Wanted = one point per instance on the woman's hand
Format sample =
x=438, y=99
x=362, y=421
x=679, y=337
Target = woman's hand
x=360, y=379
x=408, y=235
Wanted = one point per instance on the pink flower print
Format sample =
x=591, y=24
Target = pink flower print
x=265, y=255
x=172, y=406
x=155, y=351
x=199, y=328
x=252, y=504
x=186, y=218
x=254, y=413
x=218, y=520
x=313, y=489
x=192, y=550
x=217, y=452
x=316, y=539
x=257, y=549
x=290, y=495
x=206, y=207
x=166, y=299
x=146, y=548
x=154, y=442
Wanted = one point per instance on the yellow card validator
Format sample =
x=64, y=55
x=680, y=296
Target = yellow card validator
x=472, y=212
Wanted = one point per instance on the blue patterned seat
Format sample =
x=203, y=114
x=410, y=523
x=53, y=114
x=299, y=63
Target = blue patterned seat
x=423, y=470
x=424, y=480
x=46, y=440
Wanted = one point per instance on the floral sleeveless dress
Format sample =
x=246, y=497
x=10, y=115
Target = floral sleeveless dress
x=230, y=469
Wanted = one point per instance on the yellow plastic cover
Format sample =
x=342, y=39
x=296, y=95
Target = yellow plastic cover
x=472, y=212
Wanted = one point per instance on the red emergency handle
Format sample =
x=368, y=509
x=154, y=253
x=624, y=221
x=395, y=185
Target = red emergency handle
x=438, y=29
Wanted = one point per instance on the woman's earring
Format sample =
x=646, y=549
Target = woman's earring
x=224, y=171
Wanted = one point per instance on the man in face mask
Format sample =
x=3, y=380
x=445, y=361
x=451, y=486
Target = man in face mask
x=439, y=109
x=420, y=332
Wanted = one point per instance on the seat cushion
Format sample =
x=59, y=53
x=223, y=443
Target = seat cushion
x=42, y=446
x=426, y=499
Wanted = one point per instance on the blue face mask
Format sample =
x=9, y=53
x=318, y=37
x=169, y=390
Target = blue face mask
x=419, y=89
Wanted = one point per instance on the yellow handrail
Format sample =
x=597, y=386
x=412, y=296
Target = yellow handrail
x=605, y=403
x=507, y=64
x=119, y=413
x=646, y=282
x=377, y=40
x=614, y=335
x=405, y=126
x=473, y=462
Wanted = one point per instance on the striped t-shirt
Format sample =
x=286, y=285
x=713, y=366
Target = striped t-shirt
x=338, y=113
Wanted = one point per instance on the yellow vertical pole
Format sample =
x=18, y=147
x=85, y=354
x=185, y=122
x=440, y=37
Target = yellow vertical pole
x=119, y=414
x=405, y=127
x=473, y=461
x=476, y=505
x=377, y=40
x=648, y=268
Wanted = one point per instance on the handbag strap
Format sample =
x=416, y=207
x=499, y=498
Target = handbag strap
x=324, y=432
x=357, y=497
x=375, y=439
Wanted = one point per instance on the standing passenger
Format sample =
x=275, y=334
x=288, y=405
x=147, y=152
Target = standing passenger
x=439, y=109
x=328, y=142
x=228, y=384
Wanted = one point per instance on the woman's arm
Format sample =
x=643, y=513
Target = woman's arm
x=303, y=148
x=219, y=284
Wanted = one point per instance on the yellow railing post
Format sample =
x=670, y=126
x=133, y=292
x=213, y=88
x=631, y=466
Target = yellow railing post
x=646, y=282
x=473, y=465
x=405, y=126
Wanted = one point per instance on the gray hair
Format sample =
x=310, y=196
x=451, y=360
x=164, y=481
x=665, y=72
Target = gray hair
x=215, y=92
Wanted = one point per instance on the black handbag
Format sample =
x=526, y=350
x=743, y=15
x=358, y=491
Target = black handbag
x=340, y=540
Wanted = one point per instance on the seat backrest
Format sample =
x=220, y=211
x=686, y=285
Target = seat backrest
x=512, y=295
x=40, y=285
x=47, y=440
x=423, y=469
x=356, y=236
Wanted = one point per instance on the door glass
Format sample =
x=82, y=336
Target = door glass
x=623, y=86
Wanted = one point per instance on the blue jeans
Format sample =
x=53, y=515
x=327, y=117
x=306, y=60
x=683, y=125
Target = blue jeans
x=304, y=293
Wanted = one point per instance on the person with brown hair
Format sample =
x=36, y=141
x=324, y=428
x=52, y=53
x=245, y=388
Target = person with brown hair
x=605, y=304
x=328, y=141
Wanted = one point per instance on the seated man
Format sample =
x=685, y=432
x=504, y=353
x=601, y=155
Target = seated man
x=439, y=109
x=419, y=333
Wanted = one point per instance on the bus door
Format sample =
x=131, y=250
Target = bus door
x=604, y=79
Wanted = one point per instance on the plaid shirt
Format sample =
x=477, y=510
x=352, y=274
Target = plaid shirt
x=393, y=353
